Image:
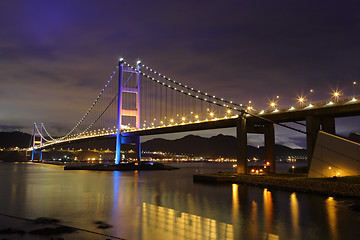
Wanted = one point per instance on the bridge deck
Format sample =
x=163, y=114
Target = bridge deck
x=341, y=109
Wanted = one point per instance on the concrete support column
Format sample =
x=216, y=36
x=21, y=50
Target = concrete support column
x=312, y=129
x=241, y=144
x=328, y=125
x=270, y=146
x=138, y=140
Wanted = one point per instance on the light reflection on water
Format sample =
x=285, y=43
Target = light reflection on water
x=181, y=225
x=294, y=208
x=331, y=214
x=168, y=205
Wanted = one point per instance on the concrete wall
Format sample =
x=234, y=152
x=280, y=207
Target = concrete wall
x=334, y=156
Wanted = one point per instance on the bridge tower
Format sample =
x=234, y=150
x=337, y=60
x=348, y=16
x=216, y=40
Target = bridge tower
x=121, y=111
x=37, y=142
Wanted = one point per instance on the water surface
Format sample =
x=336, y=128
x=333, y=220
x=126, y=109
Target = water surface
x=167, y=205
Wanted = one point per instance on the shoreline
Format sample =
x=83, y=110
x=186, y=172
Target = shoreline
x=121, y=167
x=298, y=183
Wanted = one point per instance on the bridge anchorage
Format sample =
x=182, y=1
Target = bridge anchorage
x=145, y=102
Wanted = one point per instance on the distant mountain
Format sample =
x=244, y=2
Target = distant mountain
x=214, y=147
x=219, y=145
x=14, y=139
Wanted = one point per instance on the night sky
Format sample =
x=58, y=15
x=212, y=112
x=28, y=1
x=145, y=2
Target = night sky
x=55, y=56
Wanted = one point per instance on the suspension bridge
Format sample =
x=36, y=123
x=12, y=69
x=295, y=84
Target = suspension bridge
x=138, y=101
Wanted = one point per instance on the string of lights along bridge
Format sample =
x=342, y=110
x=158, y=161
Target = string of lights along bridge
x=147, y=99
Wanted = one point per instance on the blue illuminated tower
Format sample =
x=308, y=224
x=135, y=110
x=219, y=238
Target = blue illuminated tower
x=121, y=137
x=37, y=142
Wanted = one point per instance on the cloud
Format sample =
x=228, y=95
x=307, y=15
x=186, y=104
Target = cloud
x=57, y=56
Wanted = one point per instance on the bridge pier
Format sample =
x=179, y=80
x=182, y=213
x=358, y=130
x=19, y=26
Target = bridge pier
x=36, y=152
x=269, y=133
x=241, y=142
x=267, y=129
x=242, y=129
x=138, y=154
x=328, y=125
x=313, y=125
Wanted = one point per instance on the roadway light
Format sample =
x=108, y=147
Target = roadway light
x=249, y=106
x=211, y=114
x=336, y=94
x=228, y=113
x=354, y=94
x=311, y=92
x=276, y=101
x=301, y=100
x=196, y=116
x=272, y=104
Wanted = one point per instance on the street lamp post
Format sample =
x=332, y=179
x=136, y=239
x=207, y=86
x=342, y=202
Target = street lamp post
x=310, y=94
x=354, y=93
x=249, y=106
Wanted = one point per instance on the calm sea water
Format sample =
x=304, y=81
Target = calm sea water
x=165, y=205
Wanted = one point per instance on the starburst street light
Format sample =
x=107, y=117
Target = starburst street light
x=272, y=105
x=301, y=100
x=336, y=94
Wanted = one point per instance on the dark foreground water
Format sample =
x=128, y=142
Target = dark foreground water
x=165, y=205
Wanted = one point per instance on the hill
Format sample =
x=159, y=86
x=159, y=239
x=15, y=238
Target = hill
x=214, y=147
x=14, y=139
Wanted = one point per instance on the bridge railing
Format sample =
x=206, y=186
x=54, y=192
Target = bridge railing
x=312, y=104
